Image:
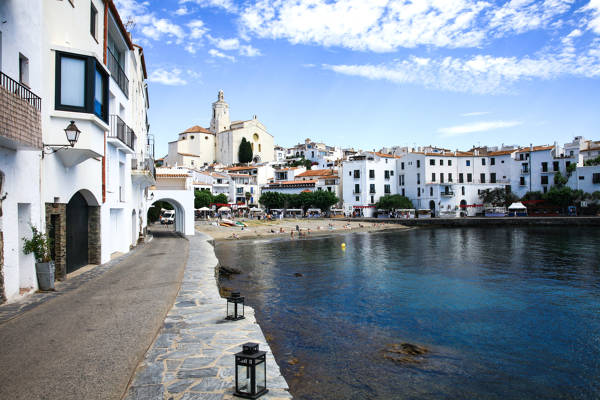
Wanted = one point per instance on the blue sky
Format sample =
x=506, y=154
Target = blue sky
x=374, y=73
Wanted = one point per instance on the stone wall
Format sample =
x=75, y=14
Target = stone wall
x=56, y=228
x=94, y=239
x=19, y=121
x=489, y=221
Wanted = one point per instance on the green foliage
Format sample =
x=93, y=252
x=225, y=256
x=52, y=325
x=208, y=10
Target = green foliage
x=592, y=162
x=532, y=196
x=572, y=167
x=320, y=199
x=221, y=199
x=202, y=198
x=301, y=163
x=498, y=197
x=247, y=195
x=245, y=151
x=39, y=245
x=561, y=196
x=393, y=201
x=559, y=180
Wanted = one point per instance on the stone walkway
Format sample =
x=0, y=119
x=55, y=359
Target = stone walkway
x=192, y=356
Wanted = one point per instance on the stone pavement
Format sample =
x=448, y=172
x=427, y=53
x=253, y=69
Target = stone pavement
x=192, y=356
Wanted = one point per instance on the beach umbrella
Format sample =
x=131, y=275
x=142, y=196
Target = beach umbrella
x=226, y=209
x=203, y=209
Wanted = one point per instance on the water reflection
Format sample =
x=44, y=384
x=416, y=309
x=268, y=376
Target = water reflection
x=506, y=312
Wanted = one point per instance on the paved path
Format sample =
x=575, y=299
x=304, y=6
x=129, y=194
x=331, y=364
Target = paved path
x=192, y=357
x=85, y=343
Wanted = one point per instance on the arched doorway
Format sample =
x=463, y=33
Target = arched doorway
x=77, y=232
x=178, y=225
x=432, y=207
x=463, y=208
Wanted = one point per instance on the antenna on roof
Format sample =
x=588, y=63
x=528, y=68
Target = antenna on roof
x=130, y=24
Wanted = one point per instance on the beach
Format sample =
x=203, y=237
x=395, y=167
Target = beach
x=285, y=227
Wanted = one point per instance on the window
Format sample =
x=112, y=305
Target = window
x=357, y=188
x=259, y=147
x=23, y=70
x=449, y=163
x=418, y=163
x=433, y=177
x=449, y=177
x=441, y=162
x=521, y=156
x=492, y=177
x=461, y=178
x=544, y=167
x=567, y=164
x=401, y=164
x=401, y=180
x=441, y=178
x=372, y=199
x=522, y=181
x=371, y=174
x=431, y=191
x=492, y=161
x=468, y=163
x=386, y=174
x=349, y=173
x=483, y=161
x=403, y=192
x=462, y=190
x=94, y=22
x=555, y=166
x=418, y=192
x=356, y=173
x=524, y=168
x=595, y=178
x=392, y=172
x=544, y=179
x=81, y=85
x=432, y=161
x=372, y=188
x=581, y=178
x=387, y=189
x=418, y=179
x=482, y=177
x=356, y=198
x=469, y=177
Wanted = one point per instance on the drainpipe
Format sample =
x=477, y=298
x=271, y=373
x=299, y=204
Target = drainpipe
x=104, y=61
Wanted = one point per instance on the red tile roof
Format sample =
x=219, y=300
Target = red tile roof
x=197, y=129
x=317, y=172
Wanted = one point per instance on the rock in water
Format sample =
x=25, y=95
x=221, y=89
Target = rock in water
x=229, y=270
x=298, y=274
x=405, y=353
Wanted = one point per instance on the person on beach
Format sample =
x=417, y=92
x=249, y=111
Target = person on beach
x=292, y=234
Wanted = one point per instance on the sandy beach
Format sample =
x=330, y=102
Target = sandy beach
x=284, y=228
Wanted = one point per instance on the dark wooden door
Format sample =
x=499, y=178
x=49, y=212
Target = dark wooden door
x=77, y=233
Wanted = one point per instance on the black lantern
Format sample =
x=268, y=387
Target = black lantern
x=250, y=372
x=72, y=133
x=235, y=307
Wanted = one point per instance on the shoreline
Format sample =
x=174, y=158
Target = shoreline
x=283, y=229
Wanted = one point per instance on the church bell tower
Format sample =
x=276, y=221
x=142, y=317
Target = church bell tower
x=220, y=118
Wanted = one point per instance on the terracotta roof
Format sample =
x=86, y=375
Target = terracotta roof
x=318, y=172
x=239, y=168
x=306, y=191
x=293, y=183
x=383, y=155
x=173, y=175
x=188, y=154
x=590, y=149
x=242, y=175
x=501, y=152
x=286, y=169
x=535, y=148
x=197, y=129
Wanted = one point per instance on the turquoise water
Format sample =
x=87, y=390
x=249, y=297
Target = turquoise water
x=506, y=313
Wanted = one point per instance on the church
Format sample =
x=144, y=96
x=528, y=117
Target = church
x=197, y=147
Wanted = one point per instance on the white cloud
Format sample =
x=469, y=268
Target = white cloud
x=182, y=11
x=593, y=22
x=249, y=51
x=477, y=127
x=157, y=28
x=166, y=77
x=217, y=54
x=197, y=29
x=474, y=114
x=225, y=44
x=481, y=74
x=227, y=5
x=518, y=16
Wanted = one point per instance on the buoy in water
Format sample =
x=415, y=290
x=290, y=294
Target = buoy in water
x=343, y=245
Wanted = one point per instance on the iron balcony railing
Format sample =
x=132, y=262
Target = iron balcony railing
x=447, y=193
x=20, y=91
x=147, y=164
x=117, y=73
x=120, y=130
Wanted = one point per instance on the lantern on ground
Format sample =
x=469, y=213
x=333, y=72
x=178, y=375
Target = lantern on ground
x=235, y=307
x=250, y=372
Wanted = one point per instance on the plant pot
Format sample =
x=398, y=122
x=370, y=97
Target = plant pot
x=45, y=275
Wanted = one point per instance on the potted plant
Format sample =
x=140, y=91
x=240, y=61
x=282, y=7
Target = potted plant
x=39, y=244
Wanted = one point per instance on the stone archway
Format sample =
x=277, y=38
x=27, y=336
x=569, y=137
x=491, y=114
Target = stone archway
x=183, y=204
x=432, y=207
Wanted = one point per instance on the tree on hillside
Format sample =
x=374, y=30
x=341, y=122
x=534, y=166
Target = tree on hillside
x=202, y=198
x=245, y=151
x=393, y=201
x=221, y=199
x=498, y=197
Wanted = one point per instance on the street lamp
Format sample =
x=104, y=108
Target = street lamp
x=235, y=305
x=72, y=133
x=250, y=372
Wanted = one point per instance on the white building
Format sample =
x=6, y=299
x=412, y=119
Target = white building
x=197, y=146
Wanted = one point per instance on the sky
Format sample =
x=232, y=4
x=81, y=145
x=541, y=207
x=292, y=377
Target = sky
x=373, y=73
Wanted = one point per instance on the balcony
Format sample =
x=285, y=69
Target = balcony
x=117, y=73
x=120, y=135
x=143, y=171
x=356, y=191
x=20, y=120
x=447, y=193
